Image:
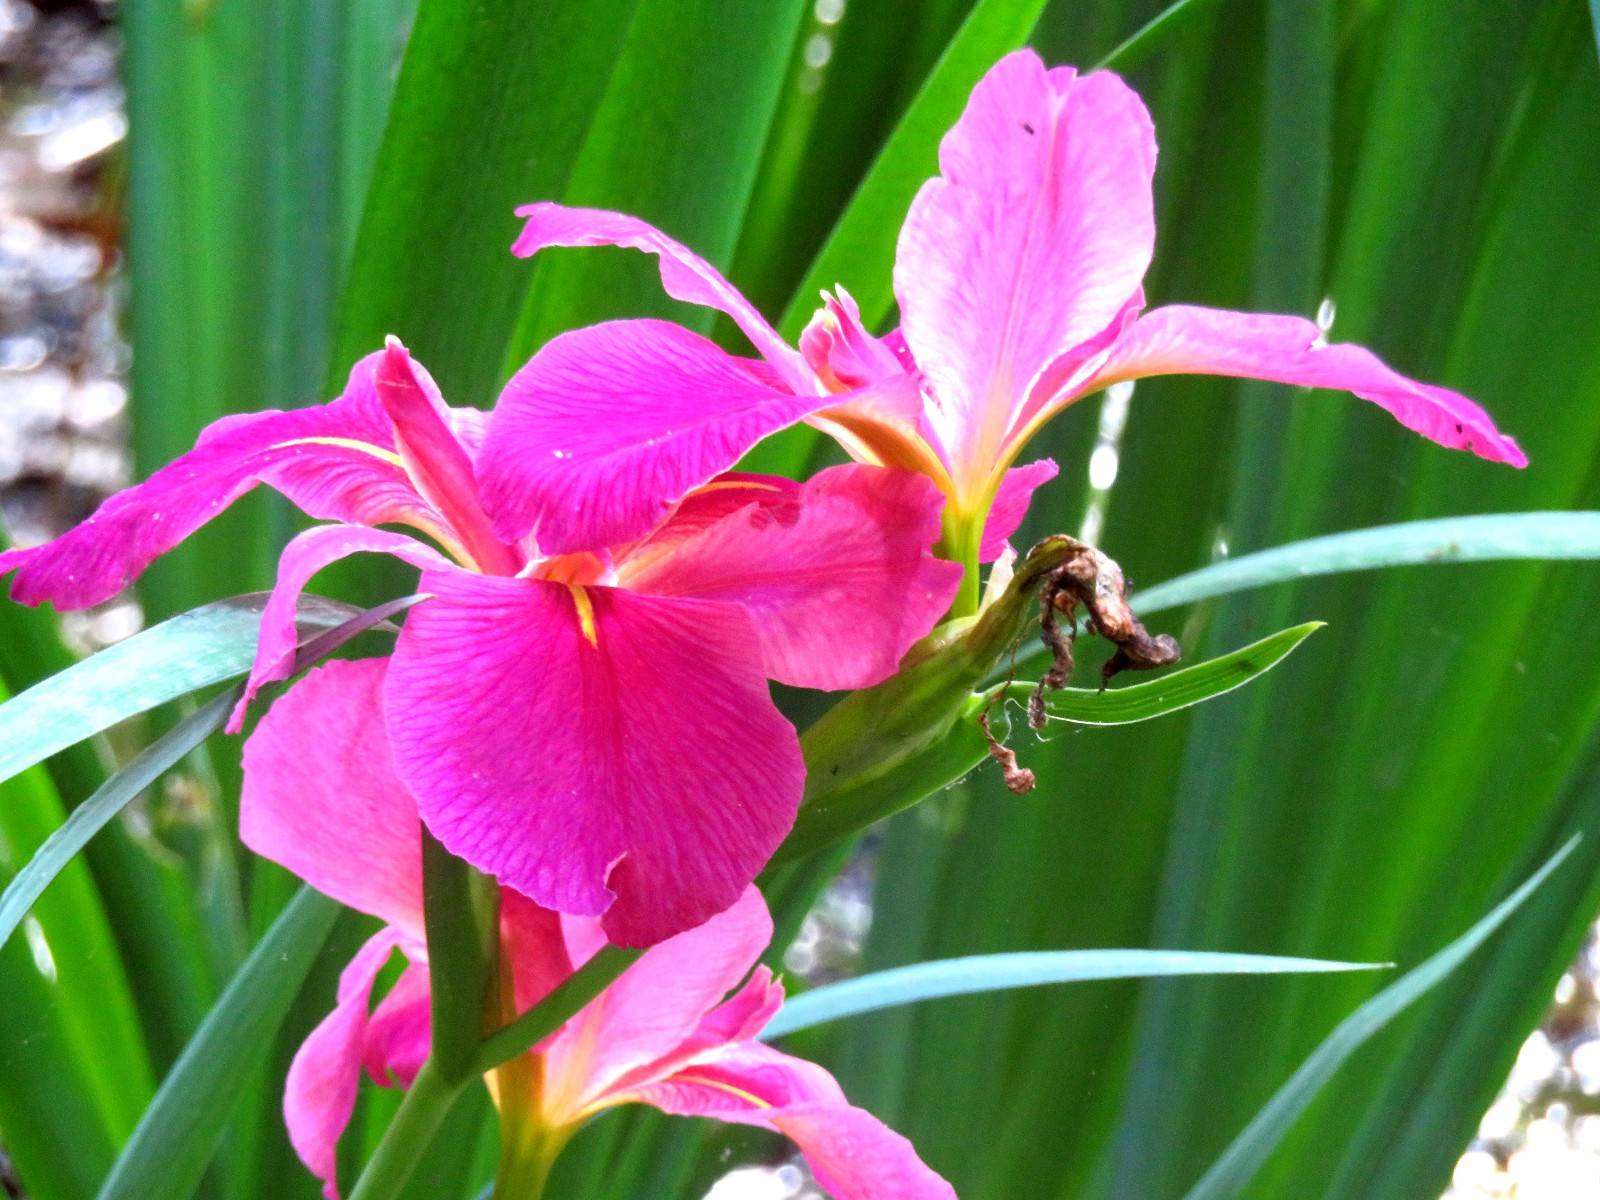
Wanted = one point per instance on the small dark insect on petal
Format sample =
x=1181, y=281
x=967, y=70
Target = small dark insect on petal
x=1027, y=128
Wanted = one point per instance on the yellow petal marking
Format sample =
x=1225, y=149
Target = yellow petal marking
x=388, y=456
x=585, y=607
x=718, y=1085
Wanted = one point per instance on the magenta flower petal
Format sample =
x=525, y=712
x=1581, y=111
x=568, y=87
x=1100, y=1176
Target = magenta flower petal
x=435, y=457
x=305, y=555
x=336, y=461
x=1184, y=340
x=685, y=275
x=1033, y=238
x=838, y=580
x=400, y=1031
x=606, y=428
x=1011, y=505
x=659, y=1002
x=853, y=1155
x=320, y=1092
x=321, y=798
x=534, y=943
x=629, y=753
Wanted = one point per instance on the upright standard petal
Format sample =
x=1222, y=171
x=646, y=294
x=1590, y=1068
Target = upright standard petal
x=606, y=428
x=336, y=461
x=599, y=751
x=839, y=579
x=1185, y=340
x=656, y=1005
x=685, y=275
x=320, y=1092
x=435, y=457
x=1033, y=238
x=321, y=797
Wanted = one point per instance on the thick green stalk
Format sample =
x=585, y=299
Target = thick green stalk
x=409, y=1135
x=562, y=1004
x=461, y=909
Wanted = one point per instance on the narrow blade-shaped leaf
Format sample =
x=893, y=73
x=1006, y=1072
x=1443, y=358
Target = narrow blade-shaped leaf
x=1029, y=968
x=1250, y=1149
x=179, y=1131
x=204, y=646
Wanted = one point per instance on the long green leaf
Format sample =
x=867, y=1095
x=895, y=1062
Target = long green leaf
x=1033, y=968
x=1499, y=537
x=198, y=648
x=677, y=139
x=179, y=1131
x=1229, y=1174
x=492, y=105
x=91, y=816
x=1173, y=691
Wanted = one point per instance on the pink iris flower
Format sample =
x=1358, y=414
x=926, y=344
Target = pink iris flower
x=588, y=718
x=663, y=1034
x=1019, y=276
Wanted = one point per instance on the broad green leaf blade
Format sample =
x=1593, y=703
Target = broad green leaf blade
x=179, y=1131
x=1550, y=536
x=677, y=139
x=1033, y=968
x=252, y=132
x=1230, y=1173
x=1173, y=690
x=491, y=109
x=91, y=816
x=204, y=646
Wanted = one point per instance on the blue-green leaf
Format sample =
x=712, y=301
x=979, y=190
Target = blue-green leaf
x=198, y=648
x=1250, y=1149
x=1032, y=968
x=1496, y=537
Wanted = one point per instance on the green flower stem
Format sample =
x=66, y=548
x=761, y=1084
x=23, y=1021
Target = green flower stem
x=462, y=911
x=409, y=1135
x=959, y=543
x=544, y=1018
x=883, y=749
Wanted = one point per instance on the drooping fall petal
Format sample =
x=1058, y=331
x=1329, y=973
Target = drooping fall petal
x=684, y=274
x=1011, y=505
x=838, y=578
x=606, y=428
x=320, y=1092
x=1033, y=238
x=337, y=461
x=590, y=744
x=321, y=798
x=853, y=1155
x=305, y=555
x=1185, y=340
x=657, y=1004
